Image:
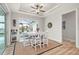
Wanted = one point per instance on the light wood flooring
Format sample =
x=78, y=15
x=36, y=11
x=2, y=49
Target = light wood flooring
x=68, y=48
x=29, y=50
x=19, y=49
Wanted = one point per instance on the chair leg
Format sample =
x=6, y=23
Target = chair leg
x=40, y=45
x=43, y=45
x=24, y=42
x=35, y=48
x=46, y=44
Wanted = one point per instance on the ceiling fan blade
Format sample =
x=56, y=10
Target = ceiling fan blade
x=42, y=10
x=41, y=7
x=33, y=7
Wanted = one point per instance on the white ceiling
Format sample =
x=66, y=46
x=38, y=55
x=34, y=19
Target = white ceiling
x=26, y=7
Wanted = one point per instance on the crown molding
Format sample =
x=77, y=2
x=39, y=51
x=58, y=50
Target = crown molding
x=5, y=8
x=30, y=14
x=35, y=15
x=49, y=11
x=44, y=15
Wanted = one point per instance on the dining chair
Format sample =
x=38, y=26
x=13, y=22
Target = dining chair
x=36, y=41
x=26, y=40
x=44, y=40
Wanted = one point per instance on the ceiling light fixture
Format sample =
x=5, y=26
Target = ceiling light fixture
x=38, y=8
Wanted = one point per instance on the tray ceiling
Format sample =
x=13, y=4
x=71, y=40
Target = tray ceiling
x=26, y=7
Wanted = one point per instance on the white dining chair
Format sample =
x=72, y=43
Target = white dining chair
x=44, y=40
x=36, y=41
x=26, y=40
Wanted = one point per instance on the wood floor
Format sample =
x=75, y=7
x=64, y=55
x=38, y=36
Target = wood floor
x=68, y=48
x=18, y=49
x=29, y=50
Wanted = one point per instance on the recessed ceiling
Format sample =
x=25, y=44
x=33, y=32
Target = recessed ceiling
x=26, y=7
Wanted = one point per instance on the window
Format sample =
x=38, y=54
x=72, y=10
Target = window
x=2, y=31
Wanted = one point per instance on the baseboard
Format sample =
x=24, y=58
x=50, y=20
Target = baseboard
x=56, y=41
x=70, y=40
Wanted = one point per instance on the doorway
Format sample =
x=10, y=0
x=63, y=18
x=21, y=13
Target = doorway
x=69, y=27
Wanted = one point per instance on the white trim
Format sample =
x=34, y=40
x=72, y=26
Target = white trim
x=49, y=11
x=69, y=11
x=8, y=9
x=59, y=41
x=77, y=28
x=2, y=8
x=61, y=30
x=5, y=7
x=29, y=14
x=44, y=15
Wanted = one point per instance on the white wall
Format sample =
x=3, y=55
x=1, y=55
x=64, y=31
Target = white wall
x=8, y=27
x=69, y=33
x=18, y=16
x=55, y=33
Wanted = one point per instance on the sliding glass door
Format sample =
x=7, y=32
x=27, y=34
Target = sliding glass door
x=2, y=30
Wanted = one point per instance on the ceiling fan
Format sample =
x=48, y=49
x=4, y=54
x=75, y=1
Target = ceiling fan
x=37, y=8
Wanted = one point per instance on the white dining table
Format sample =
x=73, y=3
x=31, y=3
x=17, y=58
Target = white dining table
x=31, y=34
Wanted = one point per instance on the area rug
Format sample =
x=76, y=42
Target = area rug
x=28, y=50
